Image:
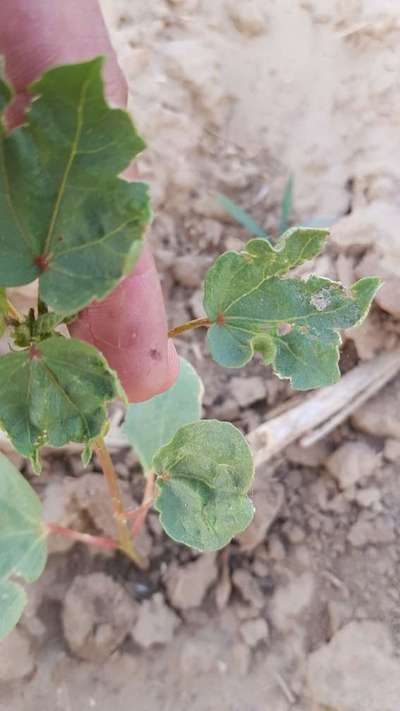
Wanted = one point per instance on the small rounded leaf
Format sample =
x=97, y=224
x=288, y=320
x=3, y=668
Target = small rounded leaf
x=150, y=425
x=204, y=475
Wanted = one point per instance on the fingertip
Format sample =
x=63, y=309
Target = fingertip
x=145, y=388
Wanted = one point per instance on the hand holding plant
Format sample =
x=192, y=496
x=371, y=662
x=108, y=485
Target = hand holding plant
x=68, y=219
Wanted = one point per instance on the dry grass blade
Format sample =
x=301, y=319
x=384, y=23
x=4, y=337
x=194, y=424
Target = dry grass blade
x=319, y=414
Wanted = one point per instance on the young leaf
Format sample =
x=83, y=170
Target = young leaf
x=241, y=216
x=32, y=330
x=45, y=324
x=150, y=425
x=293, y=323
x=235, y=274
x=204, y=474
x=54, y=393
x=3, y=311
x=23, y=549
x=65, y=216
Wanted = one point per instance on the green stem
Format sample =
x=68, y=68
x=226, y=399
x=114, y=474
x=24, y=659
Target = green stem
x=124, y=537
x=188, y=326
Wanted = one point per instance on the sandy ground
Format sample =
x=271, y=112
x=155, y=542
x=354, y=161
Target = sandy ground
x=305, y=614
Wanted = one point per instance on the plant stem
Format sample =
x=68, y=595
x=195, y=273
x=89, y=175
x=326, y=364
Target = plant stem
x=107, y=543
x=124, y=537
x=138, y=515
x=196, y=323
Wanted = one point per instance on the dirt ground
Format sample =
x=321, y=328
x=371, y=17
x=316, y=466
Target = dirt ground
x=303, y=613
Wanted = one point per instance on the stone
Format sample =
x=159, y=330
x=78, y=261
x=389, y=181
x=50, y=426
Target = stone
x=368, y=337
x=360, y=533
x=388, y=296
x=369, y=498
x=356, y=670
x=260, y=568
x=198, y=656
x=184, y=62
x=339, y=614
x=242, y=658
x=227, y=410
x=156, y=623
x=295, y=534
x=190, y=270
x=188, y=586
x=379, y=531
x=345, y=270
x=268, y=499
x=373, y=225
x=391, y=450
x=352, y=462
x=212, y=232
x=276, y=548
x=292, y=600
x=248, y=587
x=254, y=631
x=248, y=390
x=313, y=456
x=97, y=616
x=380, y=415
x=16, y=657
x=248, y=18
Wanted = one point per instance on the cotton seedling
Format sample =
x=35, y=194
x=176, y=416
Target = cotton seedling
x=69, y=221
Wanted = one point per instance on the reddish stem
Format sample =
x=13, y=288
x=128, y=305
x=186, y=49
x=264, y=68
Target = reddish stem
x=138, y=515
x=99, y=541
x=196, y=323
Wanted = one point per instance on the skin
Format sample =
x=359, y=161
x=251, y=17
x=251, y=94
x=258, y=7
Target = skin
x=129, y=326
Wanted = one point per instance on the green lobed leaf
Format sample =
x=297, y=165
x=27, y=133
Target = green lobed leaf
x=53, y=393
x=66, y=218
x=293, y=323
x=204, y=474
x=23, y=549
x=150, y=425
x=235, y=274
